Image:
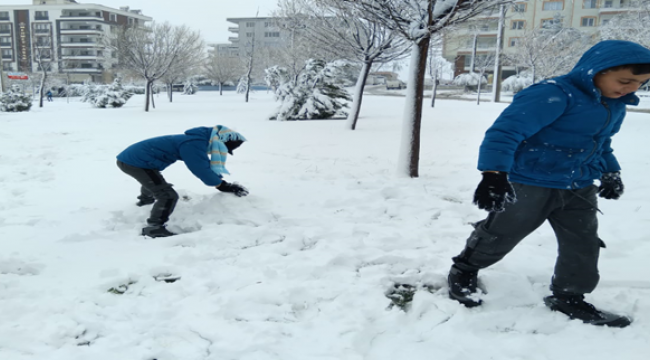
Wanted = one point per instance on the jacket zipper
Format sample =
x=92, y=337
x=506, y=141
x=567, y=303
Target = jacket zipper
x=609, y=118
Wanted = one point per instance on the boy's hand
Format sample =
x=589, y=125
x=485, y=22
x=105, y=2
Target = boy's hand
x=611, y=186
x=494, y=191
x=232, y=188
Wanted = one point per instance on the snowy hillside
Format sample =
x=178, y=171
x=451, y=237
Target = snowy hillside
x=298, y=270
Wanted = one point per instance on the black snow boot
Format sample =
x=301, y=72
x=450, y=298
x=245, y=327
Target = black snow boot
x=142, y=201
x=463, y=287
x=156, y=231
x=575, y=307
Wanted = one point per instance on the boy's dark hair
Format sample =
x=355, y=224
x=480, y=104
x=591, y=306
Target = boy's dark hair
x=636, y=69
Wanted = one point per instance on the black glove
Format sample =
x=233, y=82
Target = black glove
x=494, y=191
x=232, y=188
x=611, y=186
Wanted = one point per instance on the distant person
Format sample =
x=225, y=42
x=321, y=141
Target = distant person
x=146, y=159
x=49, y=95
x=539, y=161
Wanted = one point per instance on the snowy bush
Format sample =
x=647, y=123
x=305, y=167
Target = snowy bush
x=102, y=96
x=469, y=79
x=242, y=86
x=317, y=93
x=15, y=101
x=189, y=88
x=516, y=83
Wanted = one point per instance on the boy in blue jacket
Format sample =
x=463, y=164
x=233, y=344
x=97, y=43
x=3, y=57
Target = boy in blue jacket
x=146, y=159
x=539, y=160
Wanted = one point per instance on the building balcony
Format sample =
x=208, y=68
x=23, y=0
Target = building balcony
x=81, y=70
x=233, y=39
x=5, y=31
x=5, y=44
x=78, y=43
x=82, y=31
x=234, y=29
x=82, y=15
x=79, y=57
x=4, y=18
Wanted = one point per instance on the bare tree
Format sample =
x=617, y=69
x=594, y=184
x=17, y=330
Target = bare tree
x=184, y=68
x=417, y=21
x=437, y=65
x=153, y=52
x=43, y=57
x=330, y=25
x=249, y=62
x=482, y=64
x=222, y=69
x=631, y=25
x=549, y=51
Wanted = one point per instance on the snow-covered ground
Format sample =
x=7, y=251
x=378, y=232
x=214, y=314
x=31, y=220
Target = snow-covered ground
x=299, y=269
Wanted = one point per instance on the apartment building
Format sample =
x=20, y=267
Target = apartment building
x=70, y=30
x=266, y=31
x=585, y=15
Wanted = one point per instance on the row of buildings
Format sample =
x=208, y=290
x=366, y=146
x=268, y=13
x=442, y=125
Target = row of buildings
x=584, y=15
x=71, y=31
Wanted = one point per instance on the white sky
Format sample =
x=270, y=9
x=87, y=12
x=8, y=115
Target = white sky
x=208, y=16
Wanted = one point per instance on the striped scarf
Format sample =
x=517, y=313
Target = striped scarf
x=217, y=147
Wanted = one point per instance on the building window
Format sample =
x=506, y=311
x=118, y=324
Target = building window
x=41, y=15
x=604, y=22
x=269, y=24
x=250, y=24
x=4, y=15
x=42, y=27
x=514, y=41
x=112, y=17
x=519, y=7
x=6, y=66
x=589, y=4
x=249, y=35
x=5, y=28
x=553, y=5
x=588, y=21
x=7, y=54
x=608, y=4
x=518, y=25
x=272, y=34
x=5, y=40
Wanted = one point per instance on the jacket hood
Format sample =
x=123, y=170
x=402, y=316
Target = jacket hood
x=604, y=55
x=202, y=132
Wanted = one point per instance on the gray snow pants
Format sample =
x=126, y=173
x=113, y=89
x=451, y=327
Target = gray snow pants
x=153, y=186
x=571, y=213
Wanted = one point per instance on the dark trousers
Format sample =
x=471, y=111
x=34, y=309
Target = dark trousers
x=571, y=213
x=153, y=186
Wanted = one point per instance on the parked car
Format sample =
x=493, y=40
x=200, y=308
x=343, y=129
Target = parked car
x=395, y=85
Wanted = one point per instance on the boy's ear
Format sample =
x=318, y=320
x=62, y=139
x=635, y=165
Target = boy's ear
x=232, y=145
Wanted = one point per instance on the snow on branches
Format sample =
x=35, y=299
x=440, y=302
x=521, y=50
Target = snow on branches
x=317, y=92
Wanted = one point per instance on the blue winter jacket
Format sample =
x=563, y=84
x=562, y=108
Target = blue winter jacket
x=557, y=133
x=160, y=152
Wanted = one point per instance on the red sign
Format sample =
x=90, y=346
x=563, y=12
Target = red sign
x=17, y=76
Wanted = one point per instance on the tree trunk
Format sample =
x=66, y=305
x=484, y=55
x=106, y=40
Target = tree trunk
x=153, y=102
x=220, y=88
x=358, y=95
x=42, y=89
x=534, y=73
x=434, y=87
x=147, y=95
x=409, y=160
x=472, y=65
x=478, y=89
x=496, y=79
x=170, y=92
